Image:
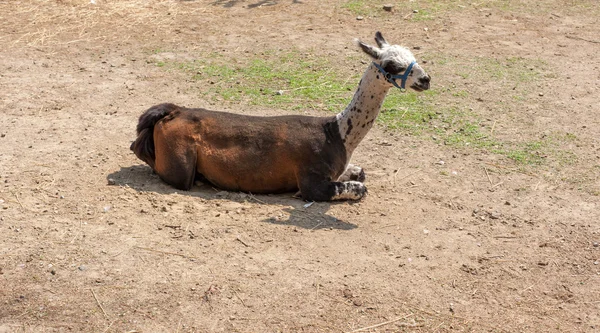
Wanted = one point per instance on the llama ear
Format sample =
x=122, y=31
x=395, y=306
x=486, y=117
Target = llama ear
x=380, y=40
x=368, y=49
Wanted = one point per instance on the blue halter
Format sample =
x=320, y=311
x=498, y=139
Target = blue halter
x=392, y=78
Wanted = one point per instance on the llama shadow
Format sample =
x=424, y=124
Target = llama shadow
x=307, y=216
x=232, y=3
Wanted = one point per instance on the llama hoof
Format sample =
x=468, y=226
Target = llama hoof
x=351, y=190
x=354, y=173
x=364, y=191
x=359, y=177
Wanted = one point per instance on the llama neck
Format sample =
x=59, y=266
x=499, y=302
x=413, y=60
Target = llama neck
x=358, y=117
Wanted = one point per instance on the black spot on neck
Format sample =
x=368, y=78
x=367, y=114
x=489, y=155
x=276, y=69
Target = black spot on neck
x=349, y=126
x=377, y=76
x=372, y=96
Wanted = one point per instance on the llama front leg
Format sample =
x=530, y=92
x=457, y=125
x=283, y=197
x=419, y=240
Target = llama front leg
x=353, y=172
x=319, y=189
x=350, y=190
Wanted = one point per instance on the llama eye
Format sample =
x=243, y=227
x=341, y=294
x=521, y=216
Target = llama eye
x=394, y=68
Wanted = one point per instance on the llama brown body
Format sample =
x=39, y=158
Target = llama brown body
x=273, y=154
x=238, y=152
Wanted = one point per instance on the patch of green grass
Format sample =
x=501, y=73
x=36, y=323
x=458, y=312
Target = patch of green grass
x=514, y=69
x=423, y=15
x=288, y=81
x=356, y=7
x=530, y=153
x=409, y=111
x=424, y=10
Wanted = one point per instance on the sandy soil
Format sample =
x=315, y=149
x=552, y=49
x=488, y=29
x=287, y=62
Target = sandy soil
x=475, y=244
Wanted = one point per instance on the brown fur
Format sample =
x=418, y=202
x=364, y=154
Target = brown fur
x=242, y=153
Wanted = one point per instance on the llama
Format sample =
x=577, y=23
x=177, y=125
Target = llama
x=276, y=154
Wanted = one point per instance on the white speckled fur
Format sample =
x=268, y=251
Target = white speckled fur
x=358, y=117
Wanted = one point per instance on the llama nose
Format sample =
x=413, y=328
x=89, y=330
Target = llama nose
x=424, y=82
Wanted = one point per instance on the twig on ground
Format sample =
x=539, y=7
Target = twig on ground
x=18, y=200
x=109, y=326
x=165, y=252
x=583, y=39
x=315, y=227
x=488, y=176
x=241, y=241
x=256, y=199
x=238, y=296
x=395, y=174
x=380, y=324
x=493, y=126
x=99, y=304
x=410, y=174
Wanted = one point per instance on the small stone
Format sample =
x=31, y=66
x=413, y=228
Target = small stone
x=441, y=162
x=357, y=302
x=53, y=272
x=347, y=293
x=359, y=18
x=279, y=92
x=2, y=135
x=495, y=215
x=388, y=7
x=111, y=181
x=596, y=262
x=82, y=268
x=541, y=94
x=416, y=11
x=595, y=244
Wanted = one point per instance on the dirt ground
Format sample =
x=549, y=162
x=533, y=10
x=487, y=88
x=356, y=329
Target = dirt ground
x=92, y=241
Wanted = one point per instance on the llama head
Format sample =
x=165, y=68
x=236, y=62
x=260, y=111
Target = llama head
x=396, y=63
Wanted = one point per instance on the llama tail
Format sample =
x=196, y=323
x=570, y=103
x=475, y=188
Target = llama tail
x=143, y=146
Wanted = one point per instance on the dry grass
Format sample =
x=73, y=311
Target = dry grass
x=81, y=21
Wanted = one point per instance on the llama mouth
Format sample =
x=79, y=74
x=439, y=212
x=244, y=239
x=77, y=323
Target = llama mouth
x=418, y=86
